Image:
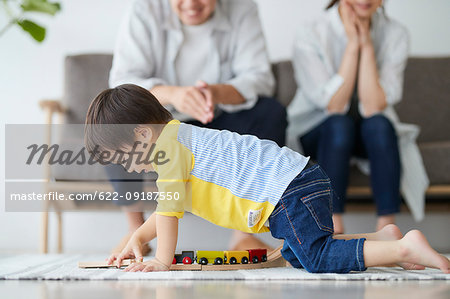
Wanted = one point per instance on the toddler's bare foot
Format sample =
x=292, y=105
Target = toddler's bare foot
x=391, y=232
x=146, y=249
x=417, y=250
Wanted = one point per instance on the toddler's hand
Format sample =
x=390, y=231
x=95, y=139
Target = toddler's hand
x=133, y=249
x=150, y=266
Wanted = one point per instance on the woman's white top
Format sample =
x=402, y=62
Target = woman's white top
x=152, y=37
x=190, y=63
x=318, y=52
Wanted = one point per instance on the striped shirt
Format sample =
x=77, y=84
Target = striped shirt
x=231, y=180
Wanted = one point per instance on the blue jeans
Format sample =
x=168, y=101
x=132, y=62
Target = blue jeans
x=302, y=218
x=266, y=120
x=340, y=137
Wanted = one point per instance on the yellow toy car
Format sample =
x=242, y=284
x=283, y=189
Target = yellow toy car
x=205, y=257
x=235, y=257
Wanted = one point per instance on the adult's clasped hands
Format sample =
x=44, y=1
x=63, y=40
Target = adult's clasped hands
x=196, y=101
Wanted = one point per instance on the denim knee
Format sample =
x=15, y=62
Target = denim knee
x=271, y=119
x=335, y=249
x=378, y=133
x=339, y=130
x=273, y=107
x=289, y=256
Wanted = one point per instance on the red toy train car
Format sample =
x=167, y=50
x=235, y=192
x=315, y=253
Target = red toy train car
x=186, y=257
x=257, y=255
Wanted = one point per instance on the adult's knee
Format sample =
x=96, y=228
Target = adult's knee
x=270, y=120
x=272, y=111
x=378, y=132
x=339, y=132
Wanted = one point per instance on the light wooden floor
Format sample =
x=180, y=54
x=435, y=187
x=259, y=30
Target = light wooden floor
x=224, y=289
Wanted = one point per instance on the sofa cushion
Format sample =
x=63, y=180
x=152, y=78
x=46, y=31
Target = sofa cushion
x=436, y=157
x=286, y=86
x=426, y=98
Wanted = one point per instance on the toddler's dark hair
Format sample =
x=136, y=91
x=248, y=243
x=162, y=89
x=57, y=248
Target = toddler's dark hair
x=115, y=112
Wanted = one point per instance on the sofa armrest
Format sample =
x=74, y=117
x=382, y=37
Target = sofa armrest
x=52, y=106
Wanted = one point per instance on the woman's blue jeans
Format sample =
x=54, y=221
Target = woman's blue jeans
x=340, y=137
x=302, y=218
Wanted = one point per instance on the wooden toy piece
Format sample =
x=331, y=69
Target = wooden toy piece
x=274, y=259
x=104, y=264
x=186, y=267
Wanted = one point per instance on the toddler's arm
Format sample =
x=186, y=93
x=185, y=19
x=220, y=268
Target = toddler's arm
x=166, y=228
x=167, y=232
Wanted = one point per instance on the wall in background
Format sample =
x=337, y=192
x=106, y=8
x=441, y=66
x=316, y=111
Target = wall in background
x=30, y=72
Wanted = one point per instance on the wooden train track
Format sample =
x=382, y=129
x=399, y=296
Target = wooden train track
x=274, y=260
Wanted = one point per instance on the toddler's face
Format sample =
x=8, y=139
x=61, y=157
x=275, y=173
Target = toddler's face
x=138, y=161
x=193, y=12
x=138, y=157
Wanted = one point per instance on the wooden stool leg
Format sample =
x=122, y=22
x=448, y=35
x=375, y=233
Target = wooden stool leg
x=44, y=233
x=60, y=234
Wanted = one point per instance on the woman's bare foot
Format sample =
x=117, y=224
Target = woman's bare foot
x=244, y=241
x=338, y=224
x=391, y=232
x=384, y=220
x=415, y=249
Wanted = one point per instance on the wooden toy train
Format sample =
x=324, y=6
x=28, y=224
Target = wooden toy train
x=205, y=257
x=212, y=260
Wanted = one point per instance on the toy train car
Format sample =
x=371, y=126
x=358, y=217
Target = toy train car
x=205, y=257
x=186, y=257
x=257, y=255
x=235, y=257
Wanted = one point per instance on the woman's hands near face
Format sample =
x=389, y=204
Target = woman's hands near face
x=357, y=29
x=363, y=26
x=349, y=19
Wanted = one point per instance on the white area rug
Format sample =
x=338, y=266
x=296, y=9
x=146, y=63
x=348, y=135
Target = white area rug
x=64, y=267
